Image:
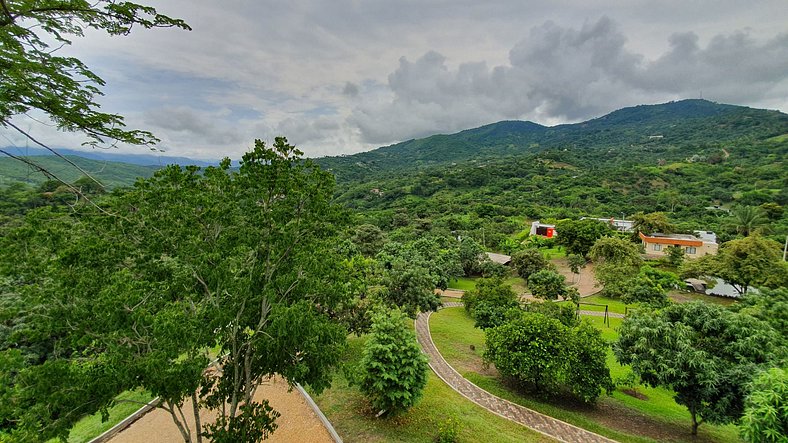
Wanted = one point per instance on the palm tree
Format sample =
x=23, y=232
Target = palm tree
x=748, y=219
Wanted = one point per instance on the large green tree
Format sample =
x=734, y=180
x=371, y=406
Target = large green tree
x=547, y=355
x=489, y=302
x=33, y=76
x=578, y=236
x=703, y=352
x=529, y=261
x=137, y=294
x=750, y=261
x=617, y=261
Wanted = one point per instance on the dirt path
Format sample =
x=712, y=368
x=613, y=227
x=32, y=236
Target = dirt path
x=298, y=422
x=584, y=282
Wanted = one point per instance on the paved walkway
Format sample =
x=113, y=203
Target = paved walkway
x=547, y=425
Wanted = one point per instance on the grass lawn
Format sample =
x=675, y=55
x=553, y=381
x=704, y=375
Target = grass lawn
x=349, y=412
x=621, y=417
x=92, y=426
x=463, y=283
x=553, y=253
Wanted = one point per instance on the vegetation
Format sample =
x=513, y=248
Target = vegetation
x=138, y=294
x=548, y=356
x=393, y=370
x=489, y=302
x=703, y=352
x=652, y=416
x=765, y=416
x=63, y=88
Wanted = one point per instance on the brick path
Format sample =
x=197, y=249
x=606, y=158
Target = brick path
x=549, y=426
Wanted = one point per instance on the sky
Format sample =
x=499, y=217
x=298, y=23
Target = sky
x=343, y=76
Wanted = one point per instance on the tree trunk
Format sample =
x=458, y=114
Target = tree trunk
x=695, y=423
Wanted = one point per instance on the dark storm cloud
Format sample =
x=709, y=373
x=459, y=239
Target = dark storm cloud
x=559, y=73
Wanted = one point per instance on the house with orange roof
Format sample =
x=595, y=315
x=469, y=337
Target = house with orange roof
x=694, y=246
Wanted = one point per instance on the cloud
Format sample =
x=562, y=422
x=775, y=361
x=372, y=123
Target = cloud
x=564, y=74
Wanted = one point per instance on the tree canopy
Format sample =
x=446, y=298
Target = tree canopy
x=705, y=353
x=34, y=77
x=185, y=262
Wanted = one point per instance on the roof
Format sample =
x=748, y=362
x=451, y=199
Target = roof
x=499, y=258
x=672, y=239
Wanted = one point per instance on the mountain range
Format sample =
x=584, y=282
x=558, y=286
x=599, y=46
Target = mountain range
x=642, y=129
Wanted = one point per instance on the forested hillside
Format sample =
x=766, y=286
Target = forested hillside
x=680, y=158
x=633, y=135
x=109, y=173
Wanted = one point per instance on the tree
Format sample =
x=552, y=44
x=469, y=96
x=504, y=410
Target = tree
x=529, y=261
x=576, y=263
x=188, y=261
x=394, y=370
x=675, y=255
x=471, y=255
x=369, y=239
x=577, y=236
x=33, y=77
x=748, y=219
x=769, y=305
x=765, y=416
x=489, y=302
x=703, y=352
x=548, y=285
x=651, y=223
x=410, y=287
x=617, y=261
x=749, y=261
x=546, y=355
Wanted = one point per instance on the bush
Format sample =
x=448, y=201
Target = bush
x=489, y=302
x=564, y=313
x=547, y=285
x=394, y=371
x=550, y=357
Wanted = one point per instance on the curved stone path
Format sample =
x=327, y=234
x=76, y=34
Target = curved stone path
x=544, y=424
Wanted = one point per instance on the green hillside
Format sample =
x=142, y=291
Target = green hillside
x=111, y=174
x=668, y=128
x=679, y=158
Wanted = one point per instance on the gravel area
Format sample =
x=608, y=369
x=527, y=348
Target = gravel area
x=298, y=422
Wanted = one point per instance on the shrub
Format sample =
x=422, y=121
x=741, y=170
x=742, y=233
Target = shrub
x=489, y=302
x=549, y=357
x=394, y=371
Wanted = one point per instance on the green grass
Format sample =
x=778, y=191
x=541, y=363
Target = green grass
x=554, y=252
x=92, y=426
x=463, y=283
x=659, y=416
x=348, y=411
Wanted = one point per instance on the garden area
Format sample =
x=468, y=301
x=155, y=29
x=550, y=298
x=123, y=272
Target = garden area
x=633, y=413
